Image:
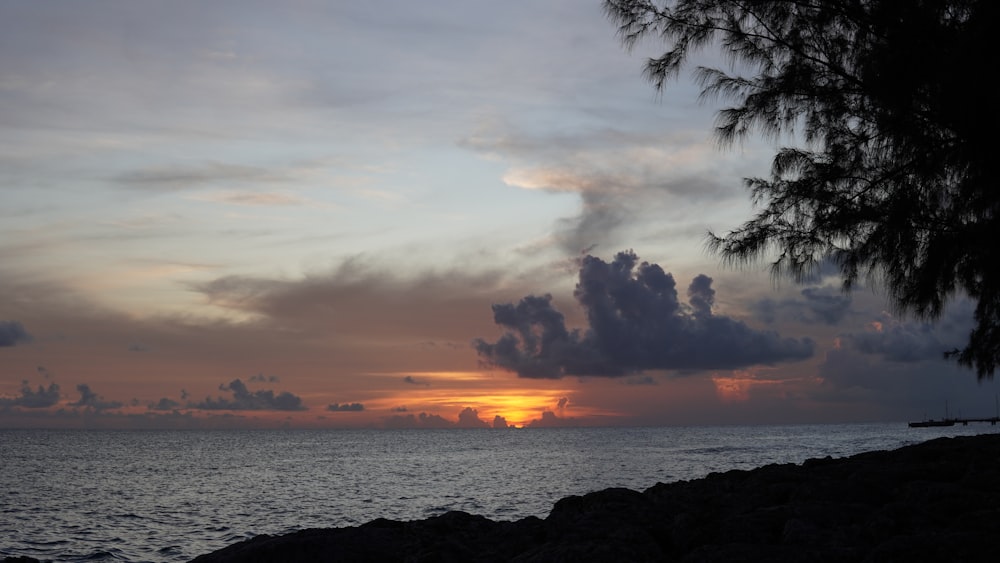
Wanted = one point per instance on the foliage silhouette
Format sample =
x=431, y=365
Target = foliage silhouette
x=892, y=122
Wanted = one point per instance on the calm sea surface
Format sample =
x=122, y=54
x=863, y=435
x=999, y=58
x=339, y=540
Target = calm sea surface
x=173, y=495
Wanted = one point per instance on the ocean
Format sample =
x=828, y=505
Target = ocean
x=165, y=496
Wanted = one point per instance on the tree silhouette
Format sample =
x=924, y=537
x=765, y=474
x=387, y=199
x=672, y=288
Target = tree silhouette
x=892, y=127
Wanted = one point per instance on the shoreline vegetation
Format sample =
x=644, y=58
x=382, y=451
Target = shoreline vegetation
x=933, y=501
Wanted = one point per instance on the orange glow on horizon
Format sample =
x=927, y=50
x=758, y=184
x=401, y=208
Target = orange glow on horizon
x=446, y=394
x=518, y=402
x=517, y=407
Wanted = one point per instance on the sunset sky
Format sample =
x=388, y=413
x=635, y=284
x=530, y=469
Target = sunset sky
x=390, y=214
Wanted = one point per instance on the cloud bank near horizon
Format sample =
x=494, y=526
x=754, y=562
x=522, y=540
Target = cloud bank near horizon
x=29, y=398
x=246, y=400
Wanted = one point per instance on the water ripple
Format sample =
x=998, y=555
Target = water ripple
x=170, y=496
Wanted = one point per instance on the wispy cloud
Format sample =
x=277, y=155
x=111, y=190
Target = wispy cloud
x=345, y=407
x=253, y=198
x=209, y=174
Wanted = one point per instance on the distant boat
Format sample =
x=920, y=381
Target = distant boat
x=930, y=423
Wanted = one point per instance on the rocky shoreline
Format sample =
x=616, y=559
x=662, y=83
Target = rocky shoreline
x=934, y=501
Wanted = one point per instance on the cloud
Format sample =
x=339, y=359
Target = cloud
x=11, y=333
x=623, y=179
x=900, y=390
x=44, y=397
x=606, y=203
x=187, y=177
x=423, y=420
x=899, y=365
x=500, y=422
x=601, y=215
x=414, y=381
x=164, y=404
x=898, y=340
x=261, y=378
x=640, y=380
x=635, y=323
x=346, y=407
x=469, y=418
x=551, y=420
x=367, y=306
x=91, y=400
x=819, y=305
x=253, y=199
x=245, y=400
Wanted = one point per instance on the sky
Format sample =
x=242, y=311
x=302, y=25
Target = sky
x=393, y=214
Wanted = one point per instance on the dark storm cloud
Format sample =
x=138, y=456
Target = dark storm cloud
x=898, y=340
x=500, y=422
x=246, y=400
x=826, y=304
x=641, y=380
x=701, y=296
x=91, y=400
x=636, y=323
x=901, y=343
x=345, y=407
x=899, y=364
x=30, y=399
x=902, y=390
x=819, y=305
x=12, y=333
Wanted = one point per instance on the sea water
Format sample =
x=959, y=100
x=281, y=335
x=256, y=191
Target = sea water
x=172, y=495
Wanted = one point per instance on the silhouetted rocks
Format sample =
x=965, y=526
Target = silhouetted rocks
x=935, y=501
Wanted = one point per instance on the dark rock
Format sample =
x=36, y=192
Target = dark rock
x=935, y=501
